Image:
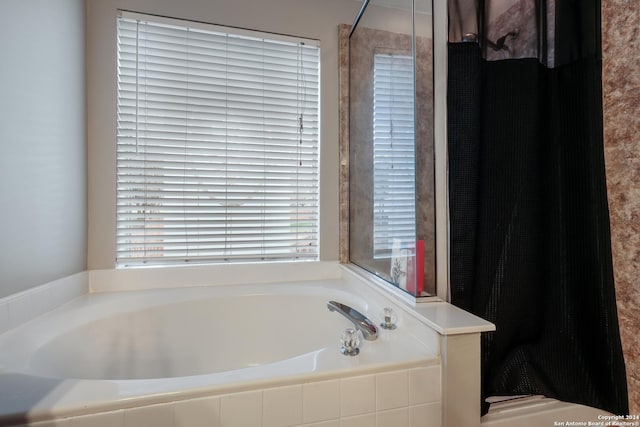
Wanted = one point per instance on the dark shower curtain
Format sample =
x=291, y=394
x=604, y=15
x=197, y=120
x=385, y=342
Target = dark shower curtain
x=530, y=240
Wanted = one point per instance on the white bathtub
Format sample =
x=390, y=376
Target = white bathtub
x=540, y=411
x=111, y=351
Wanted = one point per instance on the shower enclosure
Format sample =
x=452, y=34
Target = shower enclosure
x=388, y=146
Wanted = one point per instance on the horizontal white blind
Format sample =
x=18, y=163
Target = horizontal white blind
x=393, y=152
x=217, y=145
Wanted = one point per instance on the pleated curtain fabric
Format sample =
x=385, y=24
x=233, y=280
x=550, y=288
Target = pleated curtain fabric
x=530, y=239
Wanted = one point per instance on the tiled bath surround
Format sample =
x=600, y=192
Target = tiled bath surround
x=403, y=398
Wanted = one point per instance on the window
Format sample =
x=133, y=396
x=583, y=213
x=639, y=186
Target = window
x=217, y=144
x=393, y=152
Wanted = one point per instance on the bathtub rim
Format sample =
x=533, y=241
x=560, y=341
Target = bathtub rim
x=17, y=309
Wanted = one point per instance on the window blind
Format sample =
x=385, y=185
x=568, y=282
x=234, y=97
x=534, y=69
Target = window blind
x=393, y=152
x=217, y=144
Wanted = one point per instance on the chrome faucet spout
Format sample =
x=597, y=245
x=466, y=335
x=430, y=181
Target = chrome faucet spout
x=359, y=320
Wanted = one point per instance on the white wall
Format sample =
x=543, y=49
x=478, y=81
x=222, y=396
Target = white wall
x=42, y=140
x=316, y=19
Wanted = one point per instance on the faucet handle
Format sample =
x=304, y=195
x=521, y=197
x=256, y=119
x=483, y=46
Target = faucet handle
x=390, y=319
x=350, y=342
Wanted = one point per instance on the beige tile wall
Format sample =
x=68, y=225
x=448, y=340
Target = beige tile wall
x=621, y=88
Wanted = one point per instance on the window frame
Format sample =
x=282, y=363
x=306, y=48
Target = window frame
x=314, y=255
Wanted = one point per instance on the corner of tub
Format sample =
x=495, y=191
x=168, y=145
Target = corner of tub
x=19, y=308
x=458, y=333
